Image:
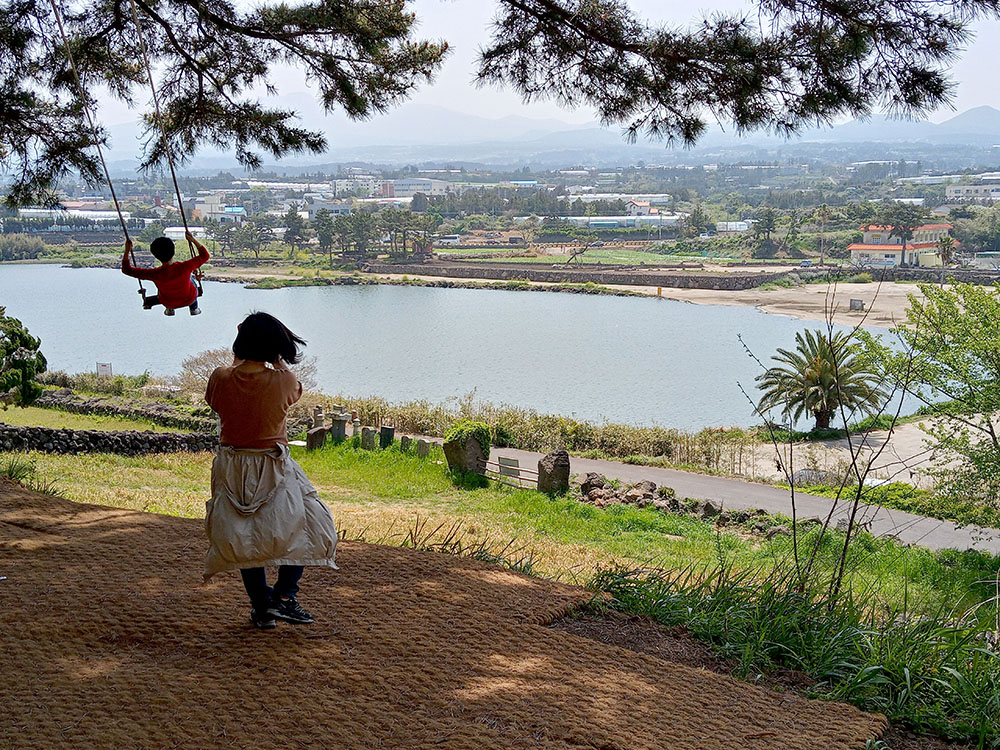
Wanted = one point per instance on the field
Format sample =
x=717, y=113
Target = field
x=34, y=416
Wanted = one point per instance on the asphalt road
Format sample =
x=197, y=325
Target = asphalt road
x=735, y=493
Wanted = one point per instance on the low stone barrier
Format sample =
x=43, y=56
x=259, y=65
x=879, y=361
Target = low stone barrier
x=128, y=443
x=724, y=281
x=161, y=414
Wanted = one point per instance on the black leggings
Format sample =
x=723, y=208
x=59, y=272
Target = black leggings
x=261, y=595
x=155, y=300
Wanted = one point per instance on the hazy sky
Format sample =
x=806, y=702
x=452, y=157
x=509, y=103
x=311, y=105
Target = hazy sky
x=465, y=24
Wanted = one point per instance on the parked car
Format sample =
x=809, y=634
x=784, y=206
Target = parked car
x=806, y=263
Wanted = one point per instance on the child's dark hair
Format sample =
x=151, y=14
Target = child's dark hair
x=264, y=338
x=162, y=249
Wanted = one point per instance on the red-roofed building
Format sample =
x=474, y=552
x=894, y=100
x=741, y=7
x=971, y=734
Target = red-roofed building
x=883, y=249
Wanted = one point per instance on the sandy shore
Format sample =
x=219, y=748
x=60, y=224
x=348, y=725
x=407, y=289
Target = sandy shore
x=884, y=304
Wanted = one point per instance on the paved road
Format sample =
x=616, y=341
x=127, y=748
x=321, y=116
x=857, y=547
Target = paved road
x=735, y=493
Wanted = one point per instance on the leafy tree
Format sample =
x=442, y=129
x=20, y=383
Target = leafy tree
x=20, y=362
x=252, y=235
x=355, y=233
x=20, y=247
x=823, y=374
x=419, y=204
x=151, y=232
x=951, y=357
x=783, y=67
x=296, y=232
x=902, y=219
x=767, y=221
x=326, y=234
x=222, y=233
x=823, y=216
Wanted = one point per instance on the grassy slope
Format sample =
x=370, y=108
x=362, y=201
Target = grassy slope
x=385, y=496
x=36, y=417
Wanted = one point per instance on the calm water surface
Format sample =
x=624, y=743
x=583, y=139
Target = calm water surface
x=641, y=361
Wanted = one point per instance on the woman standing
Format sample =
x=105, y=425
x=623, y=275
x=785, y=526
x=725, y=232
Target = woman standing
x=263, y=510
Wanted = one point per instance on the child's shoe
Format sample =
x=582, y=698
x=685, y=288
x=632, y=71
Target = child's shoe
x=168, y=311
x=196, y=311
x=262, y=619
x=146, y=305
x=289, y=611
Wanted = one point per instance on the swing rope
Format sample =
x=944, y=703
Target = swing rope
x=93, y=129
x=163, y=133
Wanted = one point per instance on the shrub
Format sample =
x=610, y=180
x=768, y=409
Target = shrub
x=20, y=247
x=470, y=430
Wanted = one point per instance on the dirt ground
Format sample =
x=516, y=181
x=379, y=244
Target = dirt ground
x=110, y=640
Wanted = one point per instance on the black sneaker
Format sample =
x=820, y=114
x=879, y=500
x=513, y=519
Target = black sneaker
x=290, y=611
x=263, y=619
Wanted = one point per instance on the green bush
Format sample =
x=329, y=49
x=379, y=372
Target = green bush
x=20, y=247
x=470, y=430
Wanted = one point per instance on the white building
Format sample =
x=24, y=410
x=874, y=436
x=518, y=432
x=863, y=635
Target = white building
x=213, y=208
x=361, y=184
x=410, y=186
x=881, y=249
x=337, y=208
x=732, y=227
x=979, y=192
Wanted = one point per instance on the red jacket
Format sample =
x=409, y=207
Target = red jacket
x=173, y=281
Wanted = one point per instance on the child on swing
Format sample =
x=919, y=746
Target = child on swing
x=173, y=282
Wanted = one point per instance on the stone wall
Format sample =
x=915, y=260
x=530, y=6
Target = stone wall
x=159, y=413
x=651, y=277
x=130, y=443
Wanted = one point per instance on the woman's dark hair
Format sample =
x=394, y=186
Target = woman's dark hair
x=264, y=338
x=162, y=249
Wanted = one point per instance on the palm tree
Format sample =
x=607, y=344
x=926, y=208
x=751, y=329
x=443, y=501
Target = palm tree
x=820, y=376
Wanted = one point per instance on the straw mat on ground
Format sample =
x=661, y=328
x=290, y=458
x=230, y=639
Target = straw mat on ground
x=108, y=640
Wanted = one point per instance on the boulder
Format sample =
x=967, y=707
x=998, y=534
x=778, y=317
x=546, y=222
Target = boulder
x=777, y=531
x=465, y=454
x=707, y=509
x=592, y=481
x=645, y=486
x=634, y=496
x=553, y=473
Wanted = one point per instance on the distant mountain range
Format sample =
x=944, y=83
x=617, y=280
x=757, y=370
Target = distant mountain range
x=421, y=134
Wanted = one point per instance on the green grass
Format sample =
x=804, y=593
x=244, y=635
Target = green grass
x=905, y=639
x=381, y=494
x=932, y=673
x=903, y=496
x=32, y=416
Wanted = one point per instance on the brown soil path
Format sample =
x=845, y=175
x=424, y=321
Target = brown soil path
x=109, y=641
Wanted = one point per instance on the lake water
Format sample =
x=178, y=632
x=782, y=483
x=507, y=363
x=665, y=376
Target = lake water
x=641, y=361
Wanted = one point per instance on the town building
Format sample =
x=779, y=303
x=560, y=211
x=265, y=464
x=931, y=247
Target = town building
x=337, y=208
x=213, y=207
x=410, y=186
x=880, y=248
x=980, y=193
x=640, y=208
